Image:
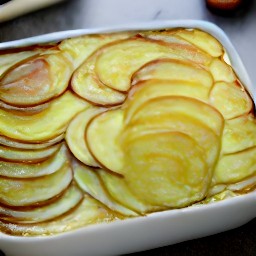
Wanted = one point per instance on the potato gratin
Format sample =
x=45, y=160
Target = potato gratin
x=105, y=127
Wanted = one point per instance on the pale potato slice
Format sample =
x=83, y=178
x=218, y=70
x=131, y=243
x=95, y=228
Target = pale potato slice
x=33, y=170
x=75, y=135
x=89, y=181
x=202, y=40
x=62, y=205
x=174, y=69
x=29, y=155
x=149, y=89
x=102, y=137
x=118, y=62
x=87, y=85
x=78, y=49
x=89, y=212
x=236, y=167
x=119, y=190
x=239, y=134
x=230, y=99
x=221, y=71
x=166, y=169
x=24, y=192
x=173, y=122
x=199, y=110
x=26, y=146
x=36, y=81
x=45, y=125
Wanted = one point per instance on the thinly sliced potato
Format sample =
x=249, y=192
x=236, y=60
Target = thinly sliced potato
x=28, y=155
x=87, y=85
x=31, y=110
x=222, y=72
x=202, y=40
x=33, y=170
x=173, y=122
x=24, y=192
x=89, y=212
x=26, y=146
x=230, y=99
x=239, y=134
x=36, y=80
x=89, y=181
x=180, y=105
x=150, y=89
x=174, y=69
x=62, y=205
x=75, y=136
x=102, y=137
x=8, y=60
x=119, y=61
x=78, y=49
x=45, y=125
x=118, y=189
x=236, y=167
x=166, y=169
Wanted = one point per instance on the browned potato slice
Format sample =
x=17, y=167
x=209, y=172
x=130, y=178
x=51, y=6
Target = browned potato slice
x=202, y=40
x=239, y=134
x=166, y=169
x=33, y=170
x=149, y=89
x=221, y=71
x=89, y=212
x=201, y=111
x=24, y=192
x=22, y=145
x=119, y=61
x=78, y=49
x=236, y=167
x=36, y=81
x=118, y=189
x=21, y=155
x=62, y=205
x=75, y=135
x=102, y=137
x=230, y=99
x=31, y=110
x=45, y=125
x=87, y=85
x=89, y=181
x=174, y=70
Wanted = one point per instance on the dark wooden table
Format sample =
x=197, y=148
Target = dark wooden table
x=241, y=29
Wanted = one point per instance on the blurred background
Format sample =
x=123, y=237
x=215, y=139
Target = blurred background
x=239, y=25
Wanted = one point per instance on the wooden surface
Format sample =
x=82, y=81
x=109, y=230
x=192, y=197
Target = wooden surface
x=75, y=14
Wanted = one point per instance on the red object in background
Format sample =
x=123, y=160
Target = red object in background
x=227, y=7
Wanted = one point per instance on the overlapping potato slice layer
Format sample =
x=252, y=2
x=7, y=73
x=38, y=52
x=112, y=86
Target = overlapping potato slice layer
x=154, y=120
x=36, y=81
x=88, y=212
x=45, y=125
x=173, y=69
x=24, y=192
x=89, y=181
x=75, y=135
x=117, y=63
x=32, y=170
x=65, y=203
x=21, y=155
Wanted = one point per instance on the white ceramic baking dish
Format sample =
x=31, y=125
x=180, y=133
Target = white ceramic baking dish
x=157, y=229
